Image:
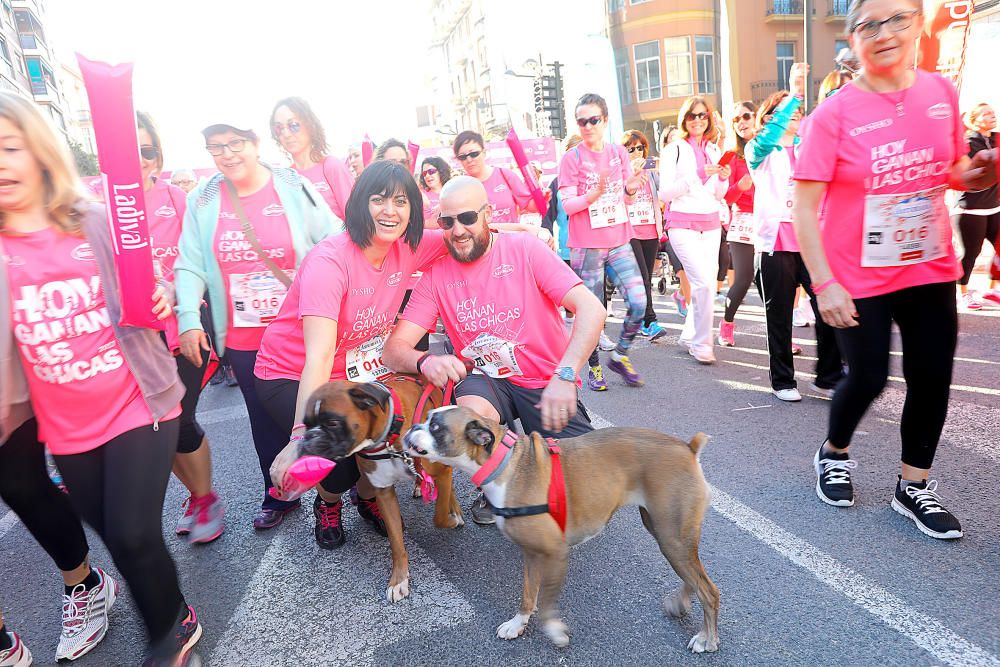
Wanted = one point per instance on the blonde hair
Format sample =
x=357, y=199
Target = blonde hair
x=711, y=132
x=62, y=194
x=972, y=116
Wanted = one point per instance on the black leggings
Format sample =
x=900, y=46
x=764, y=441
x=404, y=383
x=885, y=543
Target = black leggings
x=279, y=400
x=43, y=509
x=645, y=257
x=975, y=229
x=118, y=489
x=724, y=263
x=191, y=433
x=742, y=260
x=928, y=326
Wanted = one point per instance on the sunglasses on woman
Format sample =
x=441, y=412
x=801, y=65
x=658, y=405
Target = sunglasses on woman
x=593, y=120
x=633, y=149
x=471, y=155
x=293, y=126
x=701, y=115
x=467, y=218
x=746, y=115
x=149, y=152
x=429, y=171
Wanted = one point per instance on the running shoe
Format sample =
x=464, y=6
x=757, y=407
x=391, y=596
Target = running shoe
x=595, y=379
x=369, y=511
x=219, y=376
x=796, y=350
x=654, y=331
x=481, y=511
x=268, y=518
x=85, y=617
x=825, y=392
x=968, y=301
x=921, y=503
x=993, y=295
x=833, y=480
x=682, y=307
x=187, y=518
x=231, y=380
x=623, y=366
x=17, y=655
x=329, y=527
x=702, y=355
x=606, y=344
x=789, y=395
x=799, y=319
x=727, y=334
x=207, y=525
x=185, y=636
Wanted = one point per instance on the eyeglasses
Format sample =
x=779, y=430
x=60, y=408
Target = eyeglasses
x=472, y=155
x=896, y=23
x=149, y=152
x=293, y=126
x=234, y=146
x=429, y=171
x=746, y=115
x=593, y=120
x=701, y=115
x=633, y=149
x=467, y=218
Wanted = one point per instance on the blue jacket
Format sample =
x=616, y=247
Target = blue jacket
x=309, y=220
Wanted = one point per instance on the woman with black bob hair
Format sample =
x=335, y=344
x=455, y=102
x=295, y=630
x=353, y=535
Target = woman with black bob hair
x=337, y=315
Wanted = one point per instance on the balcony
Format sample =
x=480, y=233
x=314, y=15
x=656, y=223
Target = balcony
x=761, y=90
x=837, y=10
x=783, y=10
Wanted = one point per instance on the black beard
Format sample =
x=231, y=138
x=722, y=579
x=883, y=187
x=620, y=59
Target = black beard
x=480, y=244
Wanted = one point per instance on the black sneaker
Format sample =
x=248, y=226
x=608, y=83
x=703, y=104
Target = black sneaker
x=920, y=502
x=329, y=527
x=185, y=635
x=833, y=480
x=481, y=512
x=369, y=511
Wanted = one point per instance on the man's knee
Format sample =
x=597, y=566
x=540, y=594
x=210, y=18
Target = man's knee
x=481, y=406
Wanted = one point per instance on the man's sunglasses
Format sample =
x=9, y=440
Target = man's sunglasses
x=293, y=126
x=472, y=155
x=149, y=152
x=746, y=115
x=467, y=218
x=593, y=120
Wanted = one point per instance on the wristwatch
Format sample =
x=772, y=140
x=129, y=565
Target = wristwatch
x=566, y=373
x=543, y=234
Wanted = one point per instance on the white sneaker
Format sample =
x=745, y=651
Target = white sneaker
x=790, y=395
x=969, y=301
x=606, y=344
x=186, y=520
x=703, y=356
x=17, y=655
x=820, y=391
x=85, y=617
x=798, y=319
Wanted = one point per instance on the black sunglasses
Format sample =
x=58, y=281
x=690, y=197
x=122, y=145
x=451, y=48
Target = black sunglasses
x=472, y=155
x=746, y=115
x=467, y=218
x=593, y=120
x=632, y=149
x=701, y=115
x=149, y=152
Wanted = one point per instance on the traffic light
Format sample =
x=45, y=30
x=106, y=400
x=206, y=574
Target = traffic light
x=549, y=100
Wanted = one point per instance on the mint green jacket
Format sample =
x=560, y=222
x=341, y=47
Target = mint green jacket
x=197, y=268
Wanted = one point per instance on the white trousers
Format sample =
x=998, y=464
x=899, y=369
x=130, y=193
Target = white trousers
x=699, y=253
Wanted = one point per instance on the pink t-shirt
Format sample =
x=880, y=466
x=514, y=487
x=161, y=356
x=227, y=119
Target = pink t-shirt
x=579, y=171
x=507, y=193
x=242, y=267
x=432, y=202
x=82, y=391
x=337, y=282
x=860, y=146
x=165, y=207
x=506, y=302
x=333, y=181
x=786, y=241
x=642, y=212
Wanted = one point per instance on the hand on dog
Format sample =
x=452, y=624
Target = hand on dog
x=558, y=404
x=440, y=368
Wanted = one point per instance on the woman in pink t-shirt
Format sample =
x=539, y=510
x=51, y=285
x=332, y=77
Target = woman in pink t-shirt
x=434, y=173
x=202, y=519
x=874, y=232
x=296, y=128
x=338, y=313
x=508, y=194
x=106, y=398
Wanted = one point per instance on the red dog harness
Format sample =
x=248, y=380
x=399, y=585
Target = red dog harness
x=499, y=459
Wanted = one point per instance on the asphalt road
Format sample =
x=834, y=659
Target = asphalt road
x=802, y=583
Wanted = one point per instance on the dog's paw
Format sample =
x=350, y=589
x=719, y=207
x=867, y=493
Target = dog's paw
x=399, y=591
x=702, y=643
x=676, y=604
x=513, y=628
x=557, y=631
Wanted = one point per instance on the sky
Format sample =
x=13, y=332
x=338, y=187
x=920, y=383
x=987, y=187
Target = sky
x=361, y=65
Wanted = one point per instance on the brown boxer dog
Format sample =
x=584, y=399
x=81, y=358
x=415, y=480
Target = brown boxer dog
x=347, y=418
x=601, y=471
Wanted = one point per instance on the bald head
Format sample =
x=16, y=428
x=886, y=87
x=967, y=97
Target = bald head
x=464, y=198
x=462, y=193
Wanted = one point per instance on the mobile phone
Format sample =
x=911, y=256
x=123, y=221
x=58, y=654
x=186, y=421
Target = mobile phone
x=726, y=158
x=650, y=163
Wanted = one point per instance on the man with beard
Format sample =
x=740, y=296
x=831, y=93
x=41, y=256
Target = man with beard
x=499, y=297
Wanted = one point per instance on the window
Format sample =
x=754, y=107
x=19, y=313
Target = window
x=677, y=53
x=624, y=73
x=839, y=45
x=615, y=5
x=3, y=49
x=786, y=57
x=647, y=71
x=637, y=2
x=704, y=48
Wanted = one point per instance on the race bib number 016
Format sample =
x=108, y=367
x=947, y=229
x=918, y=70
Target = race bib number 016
x=609, y=209
x=364, y=363
x=493, y=356
x=256, y=298
x=741, y=228
x=905, y=229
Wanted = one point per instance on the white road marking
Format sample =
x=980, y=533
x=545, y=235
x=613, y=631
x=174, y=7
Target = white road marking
x=282, y=593
x=8, y=521
x=926, y=632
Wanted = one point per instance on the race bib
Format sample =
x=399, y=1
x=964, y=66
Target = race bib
x=256, y=297
x=741, y=228
x=904, y=229
x=641, y=212
x=609, y=209
x=493, y=356
x=364, y=363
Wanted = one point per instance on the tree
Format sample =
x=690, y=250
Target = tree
x=86, y=162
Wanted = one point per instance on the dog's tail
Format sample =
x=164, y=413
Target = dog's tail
x=697, y=443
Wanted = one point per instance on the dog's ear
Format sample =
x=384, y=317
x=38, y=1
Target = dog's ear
x=479, y=434
x=366, y=396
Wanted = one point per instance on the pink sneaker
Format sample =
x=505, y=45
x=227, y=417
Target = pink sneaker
x=993, y=295
x=208, y=519
x=968, y=301
x=727, y=334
